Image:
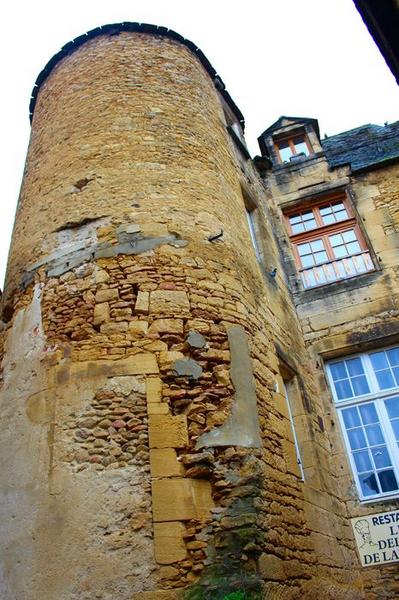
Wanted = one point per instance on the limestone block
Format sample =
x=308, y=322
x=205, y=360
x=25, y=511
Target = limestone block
x=154, y=389
x=271, y=567
x=101, y=313
x=158, y=408
x=138, y=364
x=142, y=301
x=166, y=359
x=167, y=326
x=114, y=327
x=166, y=431
x=192, y=499
x=138, y=328
x=291, y=461
x=169, y=546
x=107, y=295
x=169, y=302
x=280, y=403
x=164, y=463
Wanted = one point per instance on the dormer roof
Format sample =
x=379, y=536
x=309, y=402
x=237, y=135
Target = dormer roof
x=285, y=121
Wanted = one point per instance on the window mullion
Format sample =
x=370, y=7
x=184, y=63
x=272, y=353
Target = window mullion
x=370, y=375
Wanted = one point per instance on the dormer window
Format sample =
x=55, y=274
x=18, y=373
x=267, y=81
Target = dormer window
x=292, y=147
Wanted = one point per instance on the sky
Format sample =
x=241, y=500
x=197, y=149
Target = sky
x=312, y=58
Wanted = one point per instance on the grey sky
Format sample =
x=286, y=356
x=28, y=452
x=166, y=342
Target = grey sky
x=308, y=58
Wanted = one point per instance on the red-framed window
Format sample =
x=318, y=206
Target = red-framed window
x=327, y=242
x=292, y=145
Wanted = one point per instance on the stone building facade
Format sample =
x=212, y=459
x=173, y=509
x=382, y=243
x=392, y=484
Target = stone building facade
x=172, y=314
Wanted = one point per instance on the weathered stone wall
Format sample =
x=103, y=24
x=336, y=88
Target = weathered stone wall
x=132, y=461
x=350, y=315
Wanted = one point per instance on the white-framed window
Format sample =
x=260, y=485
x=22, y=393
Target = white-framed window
x=365, y=388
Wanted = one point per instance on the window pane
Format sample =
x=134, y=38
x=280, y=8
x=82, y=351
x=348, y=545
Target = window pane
x=374, y=435
x=285, y=152
x=304, y=249
x=295, y=219
x=328, y=219
x=395, y=427
x=388, y=481
x=320, y=257
x=299, y=228
x=385, y=379
x=341, y=215
x=349, y=236
x=369, y=485
x=360, y=385
x=392, y=406
x=308, y=216
x=326, y=210
x=337, y=206
x=357, y=439
x=340, y=252
x=301, y=147
x=362, y=461
x=368, y=414
x=379, y=360
x=343, y=389
x=393, y=356
x=351, y=417
x=354, y=366
x=338, y=370
x=381, y=457
x=336, y=240
x=310, y=224
x=353, y=247
x=317, y=245
x=396, y=374
x=307, y=261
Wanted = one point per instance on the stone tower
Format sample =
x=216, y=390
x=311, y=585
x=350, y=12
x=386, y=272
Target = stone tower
x=147, y=449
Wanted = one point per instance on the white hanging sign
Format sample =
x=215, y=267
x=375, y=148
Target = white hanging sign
x=377, y=538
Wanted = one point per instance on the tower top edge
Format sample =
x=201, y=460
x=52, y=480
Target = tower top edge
x=116, y=28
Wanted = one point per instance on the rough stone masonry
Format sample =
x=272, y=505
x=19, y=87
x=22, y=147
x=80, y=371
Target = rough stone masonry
x=146, y=449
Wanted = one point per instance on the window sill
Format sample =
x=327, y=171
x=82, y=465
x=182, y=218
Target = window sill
x=380, y=499
x=298, y=164
x=336, y=287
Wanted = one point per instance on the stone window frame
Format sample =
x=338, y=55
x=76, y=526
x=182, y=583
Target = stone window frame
x=289, y=138
x=334, y=269
x=352, y=413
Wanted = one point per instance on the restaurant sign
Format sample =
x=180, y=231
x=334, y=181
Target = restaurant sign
x=377, y=538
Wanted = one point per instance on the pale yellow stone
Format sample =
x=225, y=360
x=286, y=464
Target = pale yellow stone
x=142, y=301
x=181, y=499
x=166, y=359
x=154, y=389
x=169, y=546
x=169, y=302
x=158, y=408
x=167, y=431
x=164, y=463
x=114, y=327
x=101, y=313
x=138, y=328
x=290, y=457
x=138, y=364
x=156, y=346
x=167, y=326
x=107, y=295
